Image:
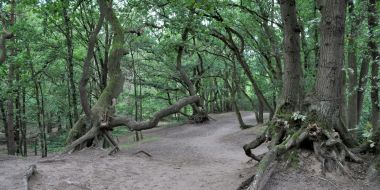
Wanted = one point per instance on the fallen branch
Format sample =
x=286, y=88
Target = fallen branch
x=132, y=124
x=269, y=163
x=138, y=126
x=141, y=151
x=51, y=161
x=29, y=172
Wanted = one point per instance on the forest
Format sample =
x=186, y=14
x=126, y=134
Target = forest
x=189, y=94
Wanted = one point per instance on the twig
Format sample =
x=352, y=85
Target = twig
x=141, y=151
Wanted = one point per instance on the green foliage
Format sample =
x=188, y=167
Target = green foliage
x=56, y=142
x=154, y=33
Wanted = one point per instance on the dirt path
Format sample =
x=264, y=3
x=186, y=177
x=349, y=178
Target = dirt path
x=207, y=156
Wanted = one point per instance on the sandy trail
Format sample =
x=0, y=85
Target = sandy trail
x=205, y=156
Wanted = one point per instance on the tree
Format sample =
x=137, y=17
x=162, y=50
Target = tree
x=374, y=54
x=323, y=115
x=101, y=117
x=291, y=90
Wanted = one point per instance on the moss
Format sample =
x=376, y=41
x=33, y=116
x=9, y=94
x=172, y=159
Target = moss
x=292, y=158
x=313, y=117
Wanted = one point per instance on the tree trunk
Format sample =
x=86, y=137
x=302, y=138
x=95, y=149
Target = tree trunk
x=329, y=74
x=291, y=90
x=11, y=143
x=114, y=86
x=198, y=110
x=324, y=111
x=362, y=85
x=69, y=59
x=4, y=117
x=23, y=120
x=352, y=115
x=374, y=54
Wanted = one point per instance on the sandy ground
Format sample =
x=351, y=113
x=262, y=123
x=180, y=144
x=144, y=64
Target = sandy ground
x=189, y=157
x=206, y=156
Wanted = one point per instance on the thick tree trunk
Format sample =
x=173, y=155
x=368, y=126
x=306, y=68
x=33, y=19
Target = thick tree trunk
x=323, y=117
x=11, y=143
x=115, y=83
x=329, y=74
x=291, y=89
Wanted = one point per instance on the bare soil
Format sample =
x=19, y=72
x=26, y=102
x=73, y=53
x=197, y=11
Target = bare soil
x=189, y=157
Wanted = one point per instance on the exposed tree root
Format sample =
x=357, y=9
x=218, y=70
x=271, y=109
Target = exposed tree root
x=374, y=170
x=199, y=117
x=252, y=145
x=111, y=141
x=98, y=128
x=28, y=173
x=51, y=161
x=328, y=147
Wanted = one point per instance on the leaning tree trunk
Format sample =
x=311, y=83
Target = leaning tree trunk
x=99, y=119
x=321, y=123
x=114, y=85
x=199, y=114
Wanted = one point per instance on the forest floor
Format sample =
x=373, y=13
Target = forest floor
x=187, y=157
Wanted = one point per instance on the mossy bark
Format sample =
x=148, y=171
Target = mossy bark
x=114, y=84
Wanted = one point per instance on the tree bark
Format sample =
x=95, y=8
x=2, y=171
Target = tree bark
x=11, y=143
x=114, y=84
x=86, y=67
x=329, y=74
x=291, y=90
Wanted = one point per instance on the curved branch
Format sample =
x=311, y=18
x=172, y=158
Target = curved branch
x=86, y=65
x=138, y=126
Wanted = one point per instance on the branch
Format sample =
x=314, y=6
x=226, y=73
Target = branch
x=28, y=173
x=138, y=126
x=254, y=13
x=86, y=66
x=4, y=36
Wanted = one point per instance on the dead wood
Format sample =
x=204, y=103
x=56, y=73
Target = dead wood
x=143, y=152
x=28, y=173
x=51, y=161
x=131, y=123
x=138, y=126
